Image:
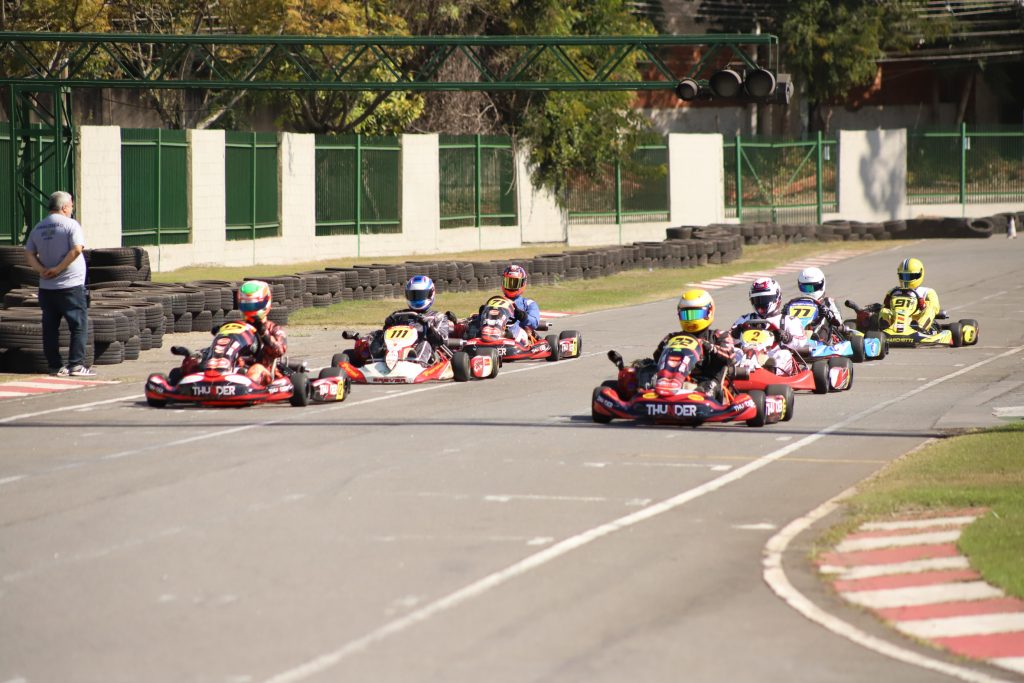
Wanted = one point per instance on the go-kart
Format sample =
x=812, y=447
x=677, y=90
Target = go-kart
x=219, y=378
x=400, y=354
x=488, y=329
x=758, y=338
x=826, y=340
x=900, y=329
x=667, y=394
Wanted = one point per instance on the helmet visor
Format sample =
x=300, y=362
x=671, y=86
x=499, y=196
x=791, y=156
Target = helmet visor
x=811, y=287
x=762, y=302
x=688, y=314
x=907, y=278
x=251, y=306
x=513, y=283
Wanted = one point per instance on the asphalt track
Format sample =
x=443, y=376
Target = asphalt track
x=477, y=532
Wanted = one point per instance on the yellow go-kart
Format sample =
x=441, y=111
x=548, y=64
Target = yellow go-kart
x=896, y=322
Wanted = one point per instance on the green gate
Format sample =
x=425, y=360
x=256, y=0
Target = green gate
x=780, y=181
x=154, y=192
x=250, y=184
x=478, y=181
x=635, y=194
x=965, y=167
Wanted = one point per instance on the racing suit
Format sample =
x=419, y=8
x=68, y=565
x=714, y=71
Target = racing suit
x=829, y=310
x=527, y=316
x=711, y=372
x=435, y=331
x=927, y=306
x=273, y=345
x=794, y=339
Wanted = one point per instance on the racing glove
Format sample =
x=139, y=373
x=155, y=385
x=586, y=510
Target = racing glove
x=785, y=336
x=521, y=314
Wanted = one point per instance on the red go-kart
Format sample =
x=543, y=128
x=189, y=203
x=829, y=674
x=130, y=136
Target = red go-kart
x=757, y=340
x=665, y=393
x=488, y=329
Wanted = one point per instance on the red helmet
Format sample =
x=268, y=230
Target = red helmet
x=513, y=281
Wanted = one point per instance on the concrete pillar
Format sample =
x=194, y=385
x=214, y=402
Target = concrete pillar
x=872, y=174
x=98, y=195
x=297, y=181
x=696, y=179
x=540, y=217
x=206, y=198
x=421, y=193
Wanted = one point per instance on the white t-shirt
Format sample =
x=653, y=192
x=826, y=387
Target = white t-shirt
x=51, y=240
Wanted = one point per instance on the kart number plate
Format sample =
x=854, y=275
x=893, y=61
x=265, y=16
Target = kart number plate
x=682, y=342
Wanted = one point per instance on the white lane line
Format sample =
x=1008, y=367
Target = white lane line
x=914, y=596
x=876, y=542
x=954, y=627
x=79, y=406
x=330, y=659
x=870, y=571
x=1012, y=663
x=919, y=523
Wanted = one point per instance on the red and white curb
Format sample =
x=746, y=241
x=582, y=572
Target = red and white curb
x=795, y=267
x=910, y=573
x=45, y=385
x=554, y=314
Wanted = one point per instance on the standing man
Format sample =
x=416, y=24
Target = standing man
x=54, y=250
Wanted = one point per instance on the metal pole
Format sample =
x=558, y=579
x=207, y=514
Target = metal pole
x=359, y=195
x=818, y=182
x=739, y=179
x=963, y=168
x=618, y=197
x=159, y=182
x=478, y=199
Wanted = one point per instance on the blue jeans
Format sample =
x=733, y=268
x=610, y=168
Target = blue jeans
x=69, y=304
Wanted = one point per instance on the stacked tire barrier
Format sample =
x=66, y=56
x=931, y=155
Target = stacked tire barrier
x=129, y=313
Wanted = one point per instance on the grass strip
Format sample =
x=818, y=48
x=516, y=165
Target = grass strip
x=978, y=469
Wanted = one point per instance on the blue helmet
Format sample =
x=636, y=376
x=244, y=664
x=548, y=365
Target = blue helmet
x=419, y=292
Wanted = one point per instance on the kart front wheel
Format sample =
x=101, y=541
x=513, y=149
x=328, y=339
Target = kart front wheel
x=461, y=366
x=786, y=392
x=174, y=376
x=883, y=346
x=597, y=417
x=552, y=340
x=300, y=390
x=155, y=402
x=569, y=334
x=819, y=371
x=969, y=327
x=857, y=346
x=957, y=331
x=757, y=396
x=495, y=361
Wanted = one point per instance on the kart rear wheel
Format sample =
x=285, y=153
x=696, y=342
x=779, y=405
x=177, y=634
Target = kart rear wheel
x=842, y=363
x=330, y=371
x=819, y=371
x=757, y=396
x=569, y=334
x=300, y=390
x=346, y=356
x=786, y=392
x=857, y=346
x=174, y=376
x=461, y=366
x=155, y=402
x=552, y=339
x=957, y=332
x=883, y=347
x=597, y=417
x=970, y=331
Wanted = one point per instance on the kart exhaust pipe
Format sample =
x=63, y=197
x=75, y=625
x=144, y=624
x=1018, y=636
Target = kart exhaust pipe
x=180, y=351
x=616, y=357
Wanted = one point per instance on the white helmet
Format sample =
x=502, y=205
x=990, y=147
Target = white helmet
x=766, y=296
x=811, y=282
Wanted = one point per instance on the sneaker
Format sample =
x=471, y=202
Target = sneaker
x=61, y=372
x=82, y=371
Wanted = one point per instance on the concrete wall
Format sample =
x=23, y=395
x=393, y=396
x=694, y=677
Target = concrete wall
x=872, y=186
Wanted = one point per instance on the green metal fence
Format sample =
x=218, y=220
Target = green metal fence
x=154, y=187
x=635, y=193
x=478, y=181
x=44, y=174
x=250, y=180
x=965, y=167
x=358, y=185
x=780, y=181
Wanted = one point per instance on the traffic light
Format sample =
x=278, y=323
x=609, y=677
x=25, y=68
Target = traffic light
x=755, y=85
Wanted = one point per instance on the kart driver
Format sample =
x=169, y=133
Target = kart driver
x=527, y=312
x=696, y=311
x=811, y=283
x=766, y=298
x=419, y=294
x=911, y=274
x=254, y=301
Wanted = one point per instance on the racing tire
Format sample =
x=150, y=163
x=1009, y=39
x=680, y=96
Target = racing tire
x=786, y=392
x=972, y=339
x=957, y=331
x=597, y=417
x=857, y=346
x=552, y=340
x=757, y=396
x=819, y=371
x=842, y=362
x=346, y=356
x=566, y=334
x=300, y=390
x=174, y=376
x=155, y=402
x=883, y=346
x=495, y=361
x=331, y=371
x=460, y=366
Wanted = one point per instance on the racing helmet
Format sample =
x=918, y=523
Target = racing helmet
x=811, y=281
x=419, y=292
x=766, y=296
x=911, y=273
x=513, y=281
x=254, y=300
x=696, y=310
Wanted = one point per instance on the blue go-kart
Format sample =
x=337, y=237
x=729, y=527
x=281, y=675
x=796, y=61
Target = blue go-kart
x=827, y=340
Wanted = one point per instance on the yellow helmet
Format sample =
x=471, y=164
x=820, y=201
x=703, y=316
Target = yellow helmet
x=696, y=310
x=911, y=273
